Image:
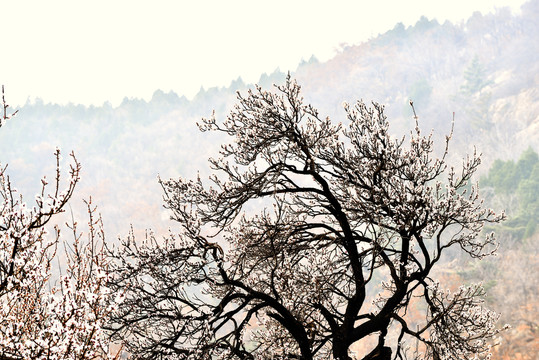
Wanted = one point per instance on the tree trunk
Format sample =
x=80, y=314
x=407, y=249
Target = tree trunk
x=380, y=353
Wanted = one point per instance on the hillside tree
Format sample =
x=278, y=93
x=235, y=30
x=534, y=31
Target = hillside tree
x=312, y=237
x=474, y=96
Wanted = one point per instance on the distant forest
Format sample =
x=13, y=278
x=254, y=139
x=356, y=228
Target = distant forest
x=485, y=70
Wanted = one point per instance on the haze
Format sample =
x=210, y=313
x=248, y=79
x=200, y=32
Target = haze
x=92, y=52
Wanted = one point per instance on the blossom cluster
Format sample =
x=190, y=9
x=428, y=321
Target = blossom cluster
x=42, y=316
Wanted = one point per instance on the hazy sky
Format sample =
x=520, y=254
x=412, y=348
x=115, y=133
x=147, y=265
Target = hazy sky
x=92, y=51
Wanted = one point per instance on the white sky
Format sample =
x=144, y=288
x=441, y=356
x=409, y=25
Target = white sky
x=92, y=51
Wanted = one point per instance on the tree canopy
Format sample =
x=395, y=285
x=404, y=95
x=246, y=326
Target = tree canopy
x=312, y=237
x=517, y=183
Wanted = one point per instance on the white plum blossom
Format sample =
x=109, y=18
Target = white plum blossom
x=345, y=207
x=42, y=317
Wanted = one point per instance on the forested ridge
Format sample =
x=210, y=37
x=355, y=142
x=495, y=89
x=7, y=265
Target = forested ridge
x=482, y=73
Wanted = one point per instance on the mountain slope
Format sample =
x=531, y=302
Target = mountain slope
x=486, y=70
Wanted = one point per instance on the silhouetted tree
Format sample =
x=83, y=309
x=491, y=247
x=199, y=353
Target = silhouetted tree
x=343, y=209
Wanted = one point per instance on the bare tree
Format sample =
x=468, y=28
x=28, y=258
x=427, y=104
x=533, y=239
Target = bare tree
x=353, y=221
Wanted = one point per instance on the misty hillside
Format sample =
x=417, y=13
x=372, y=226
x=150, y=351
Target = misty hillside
x=485, y=70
